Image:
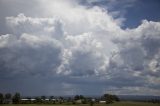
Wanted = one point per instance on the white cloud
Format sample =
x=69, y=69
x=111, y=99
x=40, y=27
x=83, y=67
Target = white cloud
x=82, y=44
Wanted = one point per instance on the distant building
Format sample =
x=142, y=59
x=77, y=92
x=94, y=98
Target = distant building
x=53, y=99
x=78, y=101
x=46, y=99
x=102, y=101
x=26, y=99
x=93, y=100
x=32, y=99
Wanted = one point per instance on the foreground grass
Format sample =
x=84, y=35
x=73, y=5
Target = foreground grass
x=133, y=104
x=114, y=104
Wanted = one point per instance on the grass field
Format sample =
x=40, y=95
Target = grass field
x=114, y=104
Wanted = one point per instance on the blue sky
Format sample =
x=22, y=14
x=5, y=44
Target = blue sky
x=134, y=11
x=74, y=47
x=142, y=9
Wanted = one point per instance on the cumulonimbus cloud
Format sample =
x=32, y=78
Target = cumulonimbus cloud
x=86, y=45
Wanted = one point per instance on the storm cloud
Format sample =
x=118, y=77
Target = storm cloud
x=70, y=49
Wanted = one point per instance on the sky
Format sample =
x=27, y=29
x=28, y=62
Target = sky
x=88, y=47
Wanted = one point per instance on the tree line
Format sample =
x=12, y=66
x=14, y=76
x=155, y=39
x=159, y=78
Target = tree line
x=7, y=98
x=17, y=99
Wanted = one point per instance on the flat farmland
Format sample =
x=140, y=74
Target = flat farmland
x=114, y=104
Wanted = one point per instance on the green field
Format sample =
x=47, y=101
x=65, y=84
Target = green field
x=114, y=104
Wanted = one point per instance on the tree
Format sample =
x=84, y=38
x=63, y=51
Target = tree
x=8, y=96
x=91, y=102
x=110, y=98
x=51, y=97
x=84, y=100
x=76, y=97
x=60, y=100
x=16, y=98
x=43, y=97
x=69, y=99
x=38, y=100
x=115, y=98
x=81, y=97
x=1, y=98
